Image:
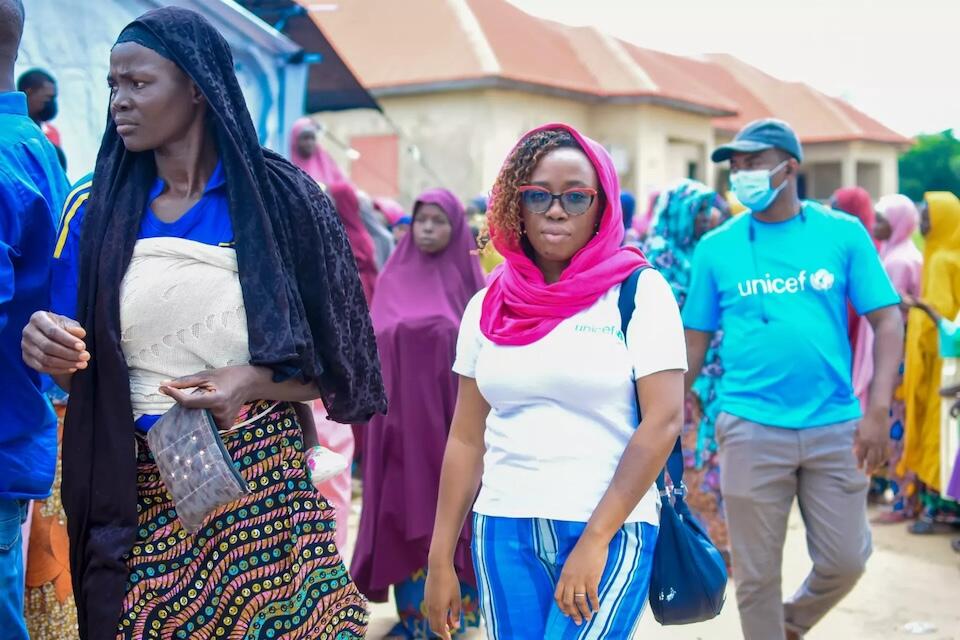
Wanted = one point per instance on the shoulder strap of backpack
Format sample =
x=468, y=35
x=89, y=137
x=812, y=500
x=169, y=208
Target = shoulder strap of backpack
x=628, y=299
x=627, y=304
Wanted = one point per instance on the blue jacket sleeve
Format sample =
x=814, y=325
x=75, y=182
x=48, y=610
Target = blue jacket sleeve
x=11, y=203
x=65, y=272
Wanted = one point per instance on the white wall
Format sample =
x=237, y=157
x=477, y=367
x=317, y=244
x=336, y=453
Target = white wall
x=871, y=165
x=885, y=157
x=668, y=139
x=464, y=136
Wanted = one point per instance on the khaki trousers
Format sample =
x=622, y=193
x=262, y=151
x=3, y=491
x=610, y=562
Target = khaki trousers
x=762, y=469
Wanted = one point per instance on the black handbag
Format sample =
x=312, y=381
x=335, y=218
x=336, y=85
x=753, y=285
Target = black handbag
x=688, y=581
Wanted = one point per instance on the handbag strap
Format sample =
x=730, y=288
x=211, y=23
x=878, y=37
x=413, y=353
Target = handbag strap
x=627, y=303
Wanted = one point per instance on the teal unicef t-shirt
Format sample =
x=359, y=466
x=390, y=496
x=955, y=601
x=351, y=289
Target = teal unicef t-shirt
x=780, y=291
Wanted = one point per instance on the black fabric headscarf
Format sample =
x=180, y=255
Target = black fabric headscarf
x=305, y=306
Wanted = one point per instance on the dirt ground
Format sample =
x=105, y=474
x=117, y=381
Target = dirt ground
x=909, y=579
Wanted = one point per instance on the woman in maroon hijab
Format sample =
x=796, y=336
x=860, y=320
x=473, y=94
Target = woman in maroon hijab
x=348, y=207
x=856, y=202
x=420, y=299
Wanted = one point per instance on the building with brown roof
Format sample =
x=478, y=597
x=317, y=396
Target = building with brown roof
x=460, y=80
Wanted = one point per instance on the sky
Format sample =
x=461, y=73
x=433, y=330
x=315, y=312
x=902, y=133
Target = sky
x=896, y=60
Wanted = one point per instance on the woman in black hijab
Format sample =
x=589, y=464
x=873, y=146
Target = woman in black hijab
x=180, y=147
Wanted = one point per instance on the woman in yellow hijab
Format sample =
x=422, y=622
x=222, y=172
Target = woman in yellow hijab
x=940, y=223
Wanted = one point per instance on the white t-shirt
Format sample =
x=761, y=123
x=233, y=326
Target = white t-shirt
x=563, y=408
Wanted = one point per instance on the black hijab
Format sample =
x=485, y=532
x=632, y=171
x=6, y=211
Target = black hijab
x=305, y=306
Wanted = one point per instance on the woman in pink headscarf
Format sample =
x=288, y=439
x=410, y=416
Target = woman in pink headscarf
x=391, y=210
x=306, y=153
x=901, y=259
x=416, y=313
x=897, y=220
x=641, y=223
x=856, y=201
x=546, y=426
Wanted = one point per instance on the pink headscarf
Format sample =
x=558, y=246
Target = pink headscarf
x=319, y=166
x=641, y=223
x=520, y=307
x=856, y=201
x=391, y=209
x=901, y=258
x=903, y=262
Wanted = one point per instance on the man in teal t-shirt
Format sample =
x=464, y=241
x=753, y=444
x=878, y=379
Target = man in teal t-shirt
x=778, y=280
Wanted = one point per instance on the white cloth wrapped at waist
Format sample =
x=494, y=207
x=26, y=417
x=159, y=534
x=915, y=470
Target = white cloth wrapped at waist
x=181, y=312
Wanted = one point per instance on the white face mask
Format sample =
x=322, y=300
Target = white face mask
x=753, y=188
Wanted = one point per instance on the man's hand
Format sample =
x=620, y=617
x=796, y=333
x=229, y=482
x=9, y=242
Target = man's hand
x=871, y=444
x=53, y=344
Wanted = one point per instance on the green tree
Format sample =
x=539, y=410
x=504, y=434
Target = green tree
x=932, y=164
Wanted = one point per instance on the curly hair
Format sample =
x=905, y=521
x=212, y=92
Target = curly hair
x=503, y=215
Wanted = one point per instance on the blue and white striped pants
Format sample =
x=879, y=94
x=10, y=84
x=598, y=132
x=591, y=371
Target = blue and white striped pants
x=518, y=563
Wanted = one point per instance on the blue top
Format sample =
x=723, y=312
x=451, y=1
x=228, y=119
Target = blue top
x=208, y=221
x=32, y=188
x=780, y=292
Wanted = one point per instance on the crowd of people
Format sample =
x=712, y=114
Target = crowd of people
x=467, y=362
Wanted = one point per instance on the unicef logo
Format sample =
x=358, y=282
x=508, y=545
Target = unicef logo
x=822, y=280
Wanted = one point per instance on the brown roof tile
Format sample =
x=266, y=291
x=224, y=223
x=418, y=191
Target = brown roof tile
x=398, y=42
x=815, y=116
x=422, y=45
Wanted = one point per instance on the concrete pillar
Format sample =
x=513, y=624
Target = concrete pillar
x=651, y=156
x=889, y=175
x=848, y=170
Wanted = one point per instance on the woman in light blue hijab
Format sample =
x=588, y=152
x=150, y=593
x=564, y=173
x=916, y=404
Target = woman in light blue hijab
x=682, y=215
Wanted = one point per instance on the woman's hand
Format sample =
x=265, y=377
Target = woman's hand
x=222, y=391
x=442, y=597
x=577, y=592
x=53, y=344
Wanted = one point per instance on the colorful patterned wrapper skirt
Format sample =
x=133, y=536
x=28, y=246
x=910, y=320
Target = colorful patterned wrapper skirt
x=264, y=567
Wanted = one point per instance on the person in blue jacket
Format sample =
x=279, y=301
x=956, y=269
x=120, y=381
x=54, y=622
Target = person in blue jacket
x=32, y=188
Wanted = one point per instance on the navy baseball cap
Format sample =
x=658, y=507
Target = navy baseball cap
x=761, y=135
